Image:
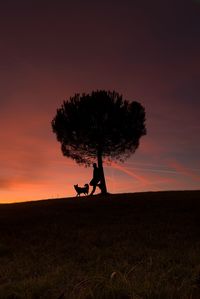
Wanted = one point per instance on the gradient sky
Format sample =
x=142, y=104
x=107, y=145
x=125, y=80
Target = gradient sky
x=147, y=50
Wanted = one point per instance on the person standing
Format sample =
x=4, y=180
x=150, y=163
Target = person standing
x=96, y=180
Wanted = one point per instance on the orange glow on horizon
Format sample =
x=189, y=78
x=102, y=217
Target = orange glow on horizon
x=47, y=58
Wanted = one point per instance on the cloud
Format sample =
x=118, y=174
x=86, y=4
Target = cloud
x=180, y=168
x=130, y=173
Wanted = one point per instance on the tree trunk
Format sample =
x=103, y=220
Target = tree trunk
x=100, y=166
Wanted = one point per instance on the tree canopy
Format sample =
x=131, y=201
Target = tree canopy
x=99, y=125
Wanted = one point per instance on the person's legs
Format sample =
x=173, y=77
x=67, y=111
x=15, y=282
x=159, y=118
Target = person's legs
x=99, y=185
x=95, y=184
x=93, y=190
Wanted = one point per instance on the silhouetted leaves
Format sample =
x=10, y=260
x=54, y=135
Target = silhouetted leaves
x=99, y=125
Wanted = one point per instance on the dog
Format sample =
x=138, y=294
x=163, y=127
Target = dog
x=80, y=190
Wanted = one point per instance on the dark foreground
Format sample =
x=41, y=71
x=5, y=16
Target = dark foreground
x=136, y=246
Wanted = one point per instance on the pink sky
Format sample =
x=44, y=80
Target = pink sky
x=149, y=53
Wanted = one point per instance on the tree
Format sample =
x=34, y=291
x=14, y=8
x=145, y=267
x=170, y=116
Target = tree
x=99, y=125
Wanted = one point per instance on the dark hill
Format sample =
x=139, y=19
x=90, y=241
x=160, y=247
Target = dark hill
x=149, y=242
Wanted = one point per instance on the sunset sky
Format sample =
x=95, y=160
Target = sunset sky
x=148, y=51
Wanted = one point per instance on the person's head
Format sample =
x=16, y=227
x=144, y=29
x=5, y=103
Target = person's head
x=95, y=165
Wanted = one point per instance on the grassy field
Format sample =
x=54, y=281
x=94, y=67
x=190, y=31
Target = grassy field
x=136, y=246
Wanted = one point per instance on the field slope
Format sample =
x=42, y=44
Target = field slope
x=137, y=246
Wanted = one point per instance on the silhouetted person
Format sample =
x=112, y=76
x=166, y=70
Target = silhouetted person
x=95, y=182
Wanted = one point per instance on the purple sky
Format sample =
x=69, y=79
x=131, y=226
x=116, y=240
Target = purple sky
x=147, y=50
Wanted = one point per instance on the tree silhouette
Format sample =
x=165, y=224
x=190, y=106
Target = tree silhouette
x=99, y=125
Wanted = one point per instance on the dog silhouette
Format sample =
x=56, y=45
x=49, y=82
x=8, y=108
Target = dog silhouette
x=80, y=190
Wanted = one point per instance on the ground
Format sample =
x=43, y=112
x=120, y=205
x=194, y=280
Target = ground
x=136, y=246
